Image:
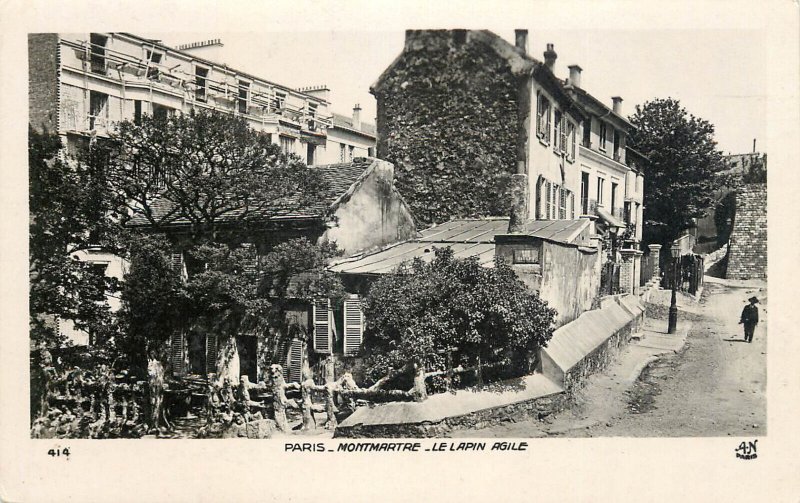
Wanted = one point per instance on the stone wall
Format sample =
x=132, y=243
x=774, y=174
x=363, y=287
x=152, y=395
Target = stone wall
x=747, y=249
x=537, y=408
x=43, y=81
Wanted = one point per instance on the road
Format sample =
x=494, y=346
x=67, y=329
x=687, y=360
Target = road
x=716, y=386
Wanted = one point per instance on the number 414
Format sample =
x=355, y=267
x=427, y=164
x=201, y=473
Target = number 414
x=64, y=451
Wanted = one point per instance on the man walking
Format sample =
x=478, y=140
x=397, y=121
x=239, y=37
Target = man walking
x=749, y=319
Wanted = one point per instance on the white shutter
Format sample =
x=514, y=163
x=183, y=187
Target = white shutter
x=294, y=362
x=323, y=330
x=539, y=123
x=178, y=264
x=353, y=325
x=177, y=353
x=211, y=354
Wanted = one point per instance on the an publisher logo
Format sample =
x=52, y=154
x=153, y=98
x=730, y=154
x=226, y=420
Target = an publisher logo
x=747, y=450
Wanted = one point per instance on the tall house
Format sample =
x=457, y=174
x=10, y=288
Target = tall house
x=477, y=127
x=81, y=84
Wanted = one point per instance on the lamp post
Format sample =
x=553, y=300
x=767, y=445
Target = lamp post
x=675, y=251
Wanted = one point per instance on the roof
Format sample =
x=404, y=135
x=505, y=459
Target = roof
x=340, y=179
x=584, y=98
x=520, y=63
x=340, y=120
x=466, y=237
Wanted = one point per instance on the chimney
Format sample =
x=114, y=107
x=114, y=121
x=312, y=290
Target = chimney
x=754, y=145
x=617, y=107
x=521, y=39
x=357, y=117
x=550, y=57
x=575, y=75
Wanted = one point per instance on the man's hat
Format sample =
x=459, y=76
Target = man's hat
x=753, y=300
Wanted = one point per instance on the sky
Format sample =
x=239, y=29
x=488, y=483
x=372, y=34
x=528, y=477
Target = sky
x=717, y=74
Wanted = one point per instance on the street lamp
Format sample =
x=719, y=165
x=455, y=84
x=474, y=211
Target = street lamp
x=675, y=251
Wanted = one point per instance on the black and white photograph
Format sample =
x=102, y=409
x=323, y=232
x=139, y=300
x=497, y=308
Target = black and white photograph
x=477, y=235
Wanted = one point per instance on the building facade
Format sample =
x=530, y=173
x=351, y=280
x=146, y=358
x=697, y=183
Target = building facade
x=81, y=84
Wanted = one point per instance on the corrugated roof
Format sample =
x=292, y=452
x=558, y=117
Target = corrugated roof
x=339, y=178
x=466, y=237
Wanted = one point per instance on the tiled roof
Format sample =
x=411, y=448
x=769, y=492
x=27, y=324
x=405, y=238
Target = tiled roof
x=339, y=178
x=466, y=237
x=345, y=121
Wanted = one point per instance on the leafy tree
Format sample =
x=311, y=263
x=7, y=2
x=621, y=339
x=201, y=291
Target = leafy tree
x=427, y=308
x=207, y=170
x=211, y=181
x=683, y=158
x=68, y=214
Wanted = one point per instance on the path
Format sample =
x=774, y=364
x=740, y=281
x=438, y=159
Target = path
x=716, y=386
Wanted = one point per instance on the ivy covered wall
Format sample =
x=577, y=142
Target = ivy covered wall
x=448, y=120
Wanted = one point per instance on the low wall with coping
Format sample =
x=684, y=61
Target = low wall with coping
x=590, y=343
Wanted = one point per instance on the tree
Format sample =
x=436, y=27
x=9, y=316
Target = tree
x=68, y=214
x=215, y=179
x=683, y=158
x=426, y=309
x=209, y=171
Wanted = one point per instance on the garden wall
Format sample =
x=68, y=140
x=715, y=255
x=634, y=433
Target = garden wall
x=747, y=250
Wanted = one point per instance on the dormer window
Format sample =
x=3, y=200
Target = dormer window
x=153, y=62
x=602, y=137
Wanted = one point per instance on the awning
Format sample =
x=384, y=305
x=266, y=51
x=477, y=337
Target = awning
x=610, y=219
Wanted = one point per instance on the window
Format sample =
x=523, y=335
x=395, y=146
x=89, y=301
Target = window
x=562, y=204
x=98, y=109
x=627, y=212
x=600, y=186
x=312, y=116
x=558, y=129
x=614, y=199
x=287, y=145
x=310, y=151
x=616, y=144
x=570, y=141
x=137, y=111
x=97, y=50
x=243, y=97
x=342, y=148
x=584, y=193
x=602, y=136
x=201, y=84
x=543, y=118
x=370, y=151
x=280, y=100
x=350, y=152
x=153, y=62
x=161, y=112
x=587, y=132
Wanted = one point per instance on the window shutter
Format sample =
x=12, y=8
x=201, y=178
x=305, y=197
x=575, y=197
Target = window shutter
x=178, y=265
x=547, y=120
x=563, y=131
x=211, y=354
x=353, y=326
x=572, y=205
x=547, y=201
x=294, y=364
x=539, y=115
x=177, y=353
x=539, y=184
x=322, y=326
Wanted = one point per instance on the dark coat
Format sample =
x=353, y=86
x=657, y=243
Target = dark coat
x=749, y=315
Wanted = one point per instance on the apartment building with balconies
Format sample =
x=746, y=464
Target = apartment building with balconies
x=89, y=81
